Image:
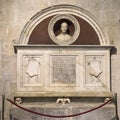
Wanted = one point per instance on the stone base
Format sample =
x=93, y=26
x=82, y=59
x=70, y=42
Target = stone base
x=105, y=113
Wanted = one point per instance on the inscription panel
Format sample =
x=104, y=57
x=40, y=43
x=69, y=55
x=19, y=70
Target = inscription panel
x=63, y=69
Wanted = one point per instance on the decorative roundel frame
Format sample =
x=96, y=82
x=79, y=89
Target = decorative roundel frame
x=70, y=18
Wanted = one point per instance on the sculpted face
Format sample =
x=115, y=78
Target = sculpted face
x=63, y=36
x=64, y=27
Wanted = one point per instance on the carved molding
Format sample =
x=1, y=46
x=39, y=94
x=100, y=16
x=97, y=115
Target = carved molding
x=29, y=69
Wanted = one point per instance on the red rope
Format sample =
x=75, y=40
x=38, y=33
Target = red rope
x=64, y=116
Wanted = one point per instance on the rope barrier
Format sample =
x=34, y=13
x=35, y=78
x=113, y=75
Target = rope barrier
x=64, y=116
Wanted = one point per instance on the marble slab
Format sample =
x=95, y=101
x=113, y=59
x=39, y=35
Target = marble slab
x=64, y=69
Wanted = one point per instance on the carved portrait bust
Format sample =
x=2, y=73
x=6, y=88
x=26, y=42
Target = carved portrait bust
x=64, y=29
x=63, y=36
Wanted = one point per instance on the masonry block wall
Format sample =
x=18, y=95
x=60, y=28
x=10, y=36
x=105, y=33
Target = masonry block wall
x=14, y=14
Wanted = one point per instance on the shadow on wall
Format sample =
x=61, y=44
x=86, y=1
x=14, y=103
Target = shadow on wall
x=114, y=50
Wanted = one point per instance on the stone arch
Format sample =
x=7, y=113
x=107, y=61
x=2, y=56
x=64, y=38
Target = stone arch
x=61, y=9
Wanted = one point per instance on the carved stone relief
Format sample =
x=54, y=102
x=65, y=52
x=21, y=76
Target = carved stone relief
x=63, y=101
x=94, y=70
x=18, y=100
x=31, y=69
x=33, y=72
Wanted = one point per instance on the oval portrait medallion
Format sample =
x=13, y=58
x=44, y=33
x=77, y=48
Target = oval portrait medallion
x=64, y=29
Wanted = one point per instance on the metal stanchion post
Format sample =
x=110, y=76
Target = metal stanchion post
x=116, y=106
x=3, y=99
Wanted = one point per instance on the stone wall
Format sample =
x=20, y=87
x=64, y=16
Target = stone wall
x=14, y=14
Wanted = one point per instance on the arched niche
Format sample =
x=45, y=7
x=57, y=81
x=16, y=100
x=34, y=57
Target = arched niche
x=36, y=30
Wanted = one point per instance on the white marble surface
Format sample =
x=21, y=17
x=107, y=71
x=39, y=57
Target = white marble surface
x=63, y=69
